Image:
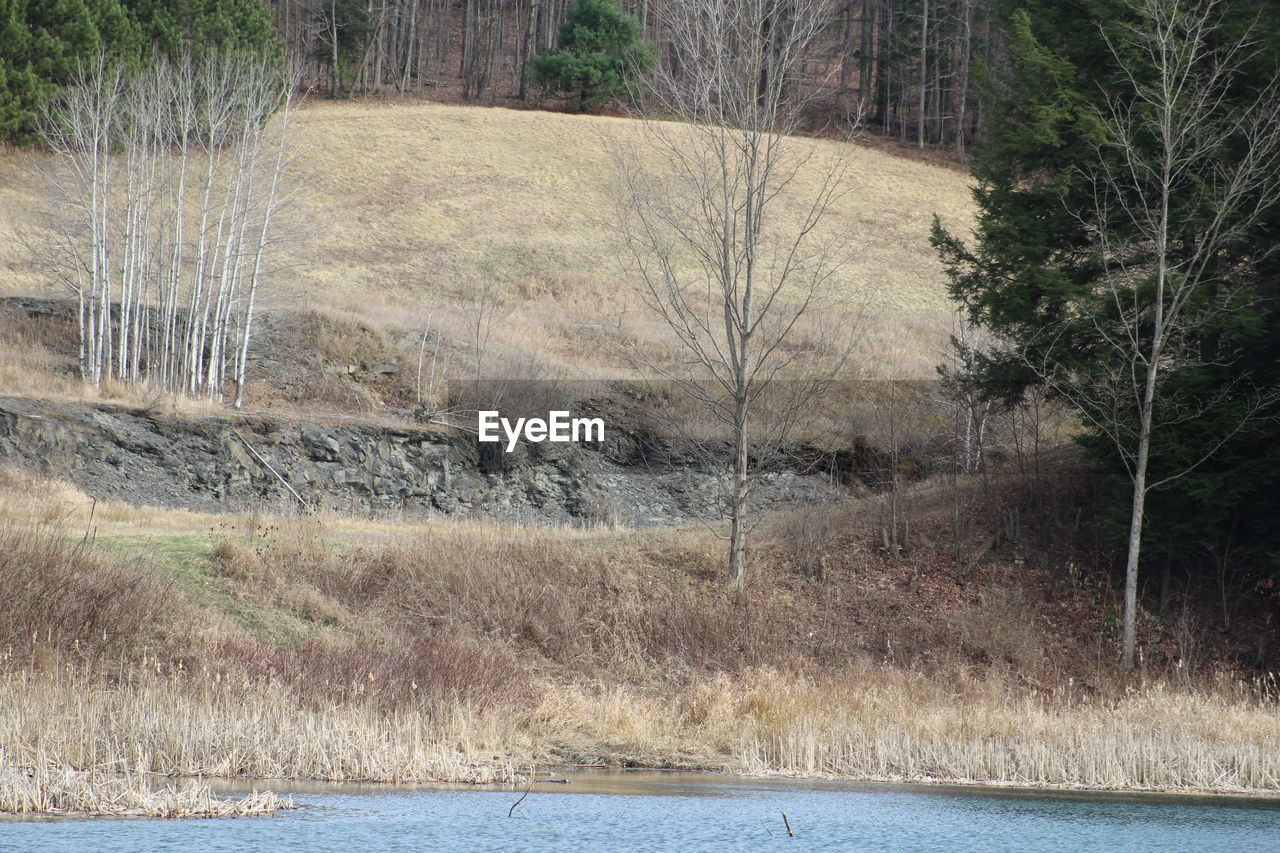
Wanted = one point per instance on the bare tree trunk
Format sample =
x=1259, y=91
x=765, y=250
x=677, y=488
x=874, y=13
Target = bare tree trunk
x=1135, y=527
x=530, y=31
x=924, y=76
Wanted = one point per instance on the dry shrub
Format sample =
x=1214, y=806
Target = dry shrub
x=338, y=338
x=580, y=606
x=335, y=391
x=64, y=594
x=433, y=674
x=234, y=560
x=1002, y=627
x=300, y=560
x=803, y=539
x=307, y=582
x=576, y=604
x=413, y=664
x=434, y=671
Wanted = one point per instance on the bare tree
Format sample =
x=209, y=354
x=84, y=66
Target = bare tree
x=708, y=212
x=485, y=310
x=167, y=185
x=1183, y=173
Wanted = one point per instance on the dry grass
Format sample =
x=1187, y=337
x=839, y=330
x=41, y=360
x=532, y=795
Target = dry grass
x=62, y=594
x=525, y=195
x=347, y=650
x=873, y=724
x=37, y=359
x=60, y=790
x=409, y=205
x=890, y=725
x=220, y=727
x=902, y=727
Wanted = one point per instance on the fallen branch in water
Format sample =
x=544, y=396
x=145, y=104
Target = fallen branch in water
x=512, y=810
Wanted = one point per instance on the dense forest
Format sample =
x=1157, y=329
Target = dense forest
x=913, y=66
x=913, y=63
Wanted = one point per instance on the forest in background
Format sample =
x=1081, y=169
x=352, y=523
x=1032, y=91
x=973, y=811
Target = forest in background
x=913, y=66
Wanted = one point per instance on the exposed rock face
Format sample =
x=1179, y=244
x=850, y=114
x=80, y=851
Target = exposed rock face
x=145, y=457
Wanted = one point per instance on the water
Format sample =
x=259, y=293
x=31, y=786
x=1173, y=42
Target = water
x=644, y=811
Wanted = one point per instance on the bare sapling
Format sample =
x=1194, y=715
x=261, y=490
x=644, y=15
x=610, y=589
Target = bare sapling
x=723, y=239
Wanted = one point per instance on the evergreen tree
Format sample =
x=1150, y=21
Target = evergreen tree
x=600, y=54
x=174, y=26
x=1040, y=273
x=42, y=42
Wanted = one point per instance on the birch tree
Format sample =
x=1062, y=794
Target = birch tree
x=168, y=183
x=722, y=236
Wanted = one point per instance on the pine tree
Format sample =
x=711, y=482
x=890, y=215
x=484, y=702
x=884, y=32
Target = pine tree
x=1066, y=268
x=196, y=26
x=600, y=54
x=44, y=42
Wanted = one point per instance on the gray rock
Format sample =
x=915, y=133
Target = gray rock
x=139, y=457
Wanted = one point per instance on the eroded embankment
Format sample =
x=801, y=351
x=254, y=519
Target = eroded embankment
x=144, y=457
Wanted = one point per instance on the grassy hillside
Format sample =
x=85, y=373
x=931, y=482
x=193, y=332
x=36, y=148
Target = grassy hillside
x=526, y=195
x=405, y=207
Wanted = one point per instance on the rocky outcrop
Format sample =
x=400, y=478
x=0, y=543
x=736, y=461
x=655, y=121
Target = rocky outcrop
x=242, y=462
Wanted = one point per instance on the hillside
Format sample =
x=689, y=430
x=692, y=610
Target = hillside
x=277, y=593
x=403, y=208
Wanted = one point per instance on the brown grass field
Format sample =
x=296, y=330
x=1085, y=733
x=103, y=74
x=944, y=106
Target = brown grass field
x=404, y=207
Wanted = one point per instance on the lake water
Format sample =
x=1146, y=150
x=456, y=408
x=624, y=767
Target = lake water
x=646, y=811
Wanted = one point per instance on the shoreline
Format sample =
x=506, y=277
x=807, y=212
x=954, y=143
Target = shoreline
x=583, y=785
x=624, y=781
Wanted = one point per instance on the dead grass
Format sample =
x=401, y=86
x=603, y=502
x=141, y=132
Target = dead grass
x=902, y=727
x=408, y=205
x=524, y=195
x=48, y=789
x=870, y=723
x=38, y=359
x=220, y=727
x=347, y=650
x=62, y=594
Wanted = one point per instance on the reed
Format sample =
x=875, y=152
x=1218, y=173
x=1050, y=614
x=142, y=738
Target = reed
x=221, y=728
x=57, y=789
x=881, y=724
x=889, y=725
